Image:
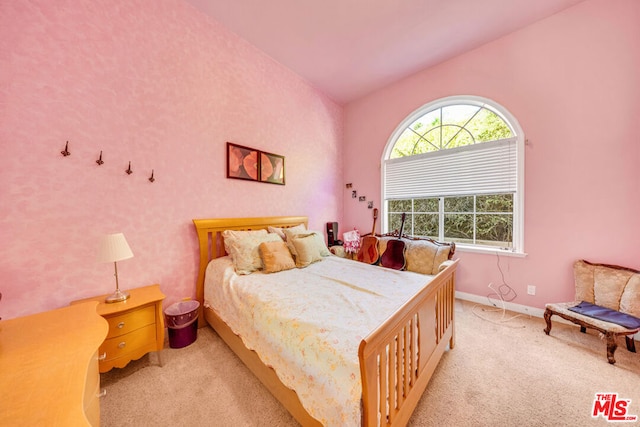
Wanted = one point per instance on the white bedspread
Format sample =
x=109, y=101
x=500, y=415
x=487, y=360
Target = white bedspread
x=308, y=323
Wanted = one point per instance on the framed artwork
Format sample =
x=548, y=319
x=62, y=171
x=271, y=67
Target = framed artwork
x=242, y=162
x=254, y=165
x=271, y=168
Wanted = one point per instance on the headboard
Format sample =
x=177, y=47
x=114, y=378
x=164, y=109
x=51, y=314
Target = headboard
x=212, y=245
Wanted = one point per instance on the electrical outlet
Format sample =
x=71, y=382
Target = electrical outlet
x=531, y=290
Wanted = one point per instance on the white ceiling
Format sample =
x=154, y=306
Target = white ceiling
x=349, y=48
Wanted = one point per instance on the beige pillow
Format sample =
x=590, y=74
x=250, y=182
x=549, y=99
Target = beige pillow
x=319, y=239
x=289, y=234
x=280, y=231
x=306, y=248
x=242, y=246
x=322, y=247
x=275, y=257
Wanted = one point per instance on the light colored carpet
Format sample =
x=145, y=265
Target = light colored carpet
x=500, y=373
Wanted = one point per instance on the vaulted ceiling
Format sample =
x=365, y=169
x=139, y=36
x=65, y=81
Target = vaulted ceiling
x=349, y=48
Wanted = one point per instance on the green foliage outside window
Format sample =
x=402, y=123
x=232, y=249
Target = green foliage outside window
x=450, y=127
x=485, y=220
x=475, y=219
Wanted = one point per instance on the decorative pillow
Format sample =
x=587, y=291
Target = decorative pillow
x=242, y=246
x=275, y=257
x=322, y=247
x=290, y=234
x=280, y=231
x=307, y=250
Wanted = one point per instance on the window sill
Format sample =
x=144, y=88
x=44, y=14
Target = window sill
x=489, y=251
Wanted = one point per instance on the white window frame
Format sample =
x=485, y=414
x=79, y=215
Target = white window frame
x=518, y=134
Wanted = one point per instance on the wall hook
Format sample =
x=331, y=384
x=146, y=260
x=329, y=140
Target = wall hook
x=129, y=171
x=66, y=152
x=99, y=161
x=151, y=178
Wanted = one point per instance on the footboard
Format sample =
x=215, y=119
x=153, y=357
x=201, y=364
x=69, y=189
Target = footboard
x=399, y=357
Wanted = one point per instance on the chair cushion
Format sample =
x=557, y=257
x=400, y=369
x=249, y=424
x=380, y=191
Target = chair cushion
x=606, y=314
x=564, y=308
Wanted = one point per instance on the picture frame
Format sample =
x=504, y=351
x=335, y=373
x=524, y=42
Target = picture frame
x=271, y=168
x=242, y=162
x=254, y=165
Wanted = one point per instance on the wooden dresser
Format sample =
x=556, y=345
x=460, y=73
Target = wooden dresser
x=136, y=326
x=49, y=367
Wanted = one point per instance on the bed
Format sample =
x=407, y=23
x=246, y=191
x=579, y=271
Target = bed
x=395, y=359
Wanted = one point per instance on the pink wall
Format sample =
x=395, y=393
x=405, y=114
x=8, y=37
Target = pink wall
x=158, y=84
x=572, y=82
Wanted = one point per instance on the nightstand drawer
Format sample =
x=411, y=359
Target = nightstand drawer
x=122, y=345
x=136, y=326
x=124, y=323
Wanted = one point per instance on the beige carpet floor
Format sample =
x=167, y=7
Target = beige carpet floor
x=503, y=371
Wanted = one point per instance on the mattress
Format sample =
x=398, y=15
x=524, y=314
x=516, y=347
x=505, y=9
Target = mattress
x=307, y=324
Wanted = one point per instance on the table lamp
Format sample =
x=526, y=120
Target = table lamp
x=114, y=248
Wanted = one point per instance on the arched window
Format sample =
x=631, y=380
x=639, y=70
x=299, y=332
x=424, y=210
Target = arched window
x=455, y=167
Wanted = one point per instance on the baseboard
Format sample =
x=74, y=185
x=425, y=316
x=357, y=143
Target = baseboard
x=517, y=308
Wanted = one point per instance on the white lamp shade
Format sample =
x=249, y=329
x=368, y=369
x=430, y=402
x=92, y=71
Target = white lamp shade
x=114, y=247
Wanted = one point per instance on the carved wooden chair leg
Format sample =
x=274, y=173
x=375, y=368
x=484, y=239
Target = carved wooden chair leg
x=547, y=318
x=611, y=347
x=631, y=344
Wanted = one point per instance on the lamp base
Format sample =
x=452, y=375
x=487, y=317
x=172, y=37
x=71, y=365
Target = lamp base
x=117, y=296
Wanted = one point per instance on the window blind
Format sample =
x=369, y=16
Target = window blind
x=483, y=168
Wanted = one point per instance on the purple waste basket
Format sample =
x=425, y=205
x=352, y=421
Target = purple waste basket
x=182, y=322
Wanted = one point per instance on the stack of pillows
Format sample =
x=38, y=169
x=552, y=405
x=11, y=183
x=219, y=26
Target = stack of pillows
x=275, y=249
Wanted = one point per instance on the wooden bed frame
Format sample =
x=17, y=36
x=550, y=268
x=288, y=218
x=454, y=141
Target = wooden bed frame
x=397, y=360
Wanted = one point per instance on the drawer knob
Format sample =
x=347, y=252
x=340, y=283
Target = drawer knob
x=103, y=393
x=103, y=356
x=120, y=325
x=122, y=344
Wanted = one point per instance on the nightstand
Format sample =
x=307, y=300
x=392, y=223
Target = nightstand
x=136, y=327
